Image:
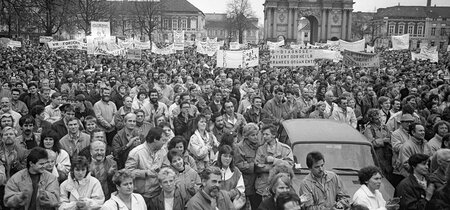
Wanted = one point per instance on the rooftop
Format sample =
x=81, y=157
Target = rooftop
x=414, y=12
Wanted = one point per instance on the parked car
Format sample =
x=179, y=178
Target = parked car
x=344, y=148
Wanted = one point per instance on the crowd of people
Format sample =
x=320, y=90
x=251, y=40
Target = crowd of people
x=176, y=132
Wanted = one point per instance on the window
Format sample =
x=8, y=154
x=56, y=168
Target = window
x=306, y=34
x=391, y=29
x=443, y=32
x=183, y=23
x=401, y=29
x=410, y=29
x=441, y=45
x=174, y=24
x=418, y=44
x=433, y=31
x=166, y=23
x=419, y=30
x=432, y=43
x=194, y=24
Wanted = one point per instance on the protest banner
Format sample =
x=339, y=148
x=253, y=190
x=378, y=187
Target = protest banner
x=357, y=46
x=14, y=44
x=141, y=45
x=102, y=45
x=134, y=54
x=69, y=44
x=426, y=53
x=360, y=59
x=45, y=39
x=237, y=59
x=333, y=55
x=229, y=59
x=163, y=51
x=275, y=45
x=208, y=48
x=251, y=57
x=285, y=57
x=400, y=42
x=178, y=40
x=125, y=44
x=100, y=29
x=234, y=46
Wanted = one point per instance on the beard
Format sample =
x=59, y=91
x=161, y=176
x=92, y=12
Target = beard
x=9, y=141
x=154, y=100
x=214, y=192
x=106, y=98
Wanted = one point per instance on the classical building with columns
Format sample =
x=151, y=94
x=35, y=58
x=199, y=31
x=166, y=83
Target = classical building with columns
x=327, y=19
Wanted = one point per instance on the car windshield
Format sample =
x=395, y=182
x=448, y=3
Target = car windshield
x=338, y=156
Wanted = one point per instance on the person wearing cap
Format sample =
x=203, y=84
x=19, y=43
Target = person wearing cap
x=52, y=112
x=244, y=158
x=398, y=138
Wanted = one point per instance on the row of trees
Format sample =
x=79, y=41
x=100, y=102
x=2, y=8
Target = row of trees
x=52, y=16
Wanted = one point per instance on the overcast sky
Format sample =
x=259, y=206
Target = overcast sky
x=219, y=6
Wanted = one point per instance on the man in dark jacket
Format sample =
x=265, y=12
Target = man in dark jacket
x=184, y=123
x=67, y=111
x=412, y=189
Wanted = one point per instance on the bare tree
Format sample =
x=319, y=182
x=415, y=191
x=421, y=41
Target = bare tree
x=85, y=11
x=239, y=11
x=366, y=26
x=50, y=15
x=149, y=16
x=13, y=15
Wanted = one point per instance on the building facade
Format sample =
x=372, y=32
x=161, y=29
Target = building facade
x=218, y=25
x=427, y=25
x=327, y=19
x=169, y=16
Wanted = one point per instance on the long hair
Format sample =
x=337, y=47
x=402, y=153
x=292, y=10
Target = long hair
x=225, y=150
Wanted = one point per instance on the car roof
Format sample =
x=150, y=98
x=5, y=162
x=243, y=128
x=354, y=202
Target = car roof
x=322, y=130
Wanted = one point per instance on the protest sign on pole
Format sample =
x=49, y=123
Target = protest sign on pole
x=251, y=57
x=100, y=29
x=134, y=54
x=234, y=45
x=400, y=42
x=45, y=39
x=178, y=40
x=275, y=45
x=102, y=45
x=360, y=59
